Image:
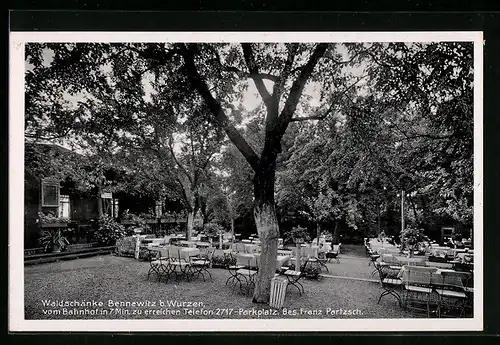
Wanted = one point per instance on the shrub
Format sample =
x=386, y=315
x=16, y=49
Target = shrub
x=223, y=260
x=109, y=231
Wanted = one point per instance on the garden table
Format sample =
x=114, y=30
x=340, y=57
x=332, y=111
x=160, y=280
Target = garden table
x=245, y=259
x=403, y=260
x=251, y=248
x=311, y=251
x=281, y=260
x=186, y=253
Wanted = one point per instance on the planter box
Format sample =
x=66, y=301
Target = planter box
x=151, y=221
x=54, y=225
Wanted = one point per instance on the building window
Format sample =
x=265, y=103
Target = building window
x=50, y=193
x=64, y=206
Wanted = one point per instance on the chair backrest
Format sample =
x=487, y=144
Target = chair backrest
x=389, y=258
x=438, y=264
x=174, y=252
x=418, y=275
x=210, y=253
x=452, y=280
x=243, y=260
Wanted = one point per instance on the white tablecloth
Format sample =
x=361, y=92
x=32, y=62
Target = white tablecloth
x=309, y=251
x=189, y=252
x=251, y=248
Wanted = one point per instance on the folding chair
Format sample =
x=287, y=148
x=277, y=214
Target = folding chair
x=417, y=287
x=389, y=282
x=451, y=292
x=323, y=259
x=334, y=253
x=201, y=264
x=232, y=269
x=160, y=266
x=177, y=262
x=245, y=274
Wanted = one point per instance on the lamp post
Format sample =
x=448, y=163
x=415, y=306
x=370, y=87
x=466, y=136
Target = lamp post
x=402, y=210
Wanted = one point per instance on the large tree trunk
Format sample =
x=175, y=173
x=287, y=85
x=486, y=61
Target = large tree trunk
x=232, y=229
x=190, y=223
x=334, y=234
x=318, y=233
x=267, y=227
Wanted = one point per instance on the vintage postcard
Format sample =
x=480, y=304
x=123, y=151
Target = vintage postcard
x=245, y=181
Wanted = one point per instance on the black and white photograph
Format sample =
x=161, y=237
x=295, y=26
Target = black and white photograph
x=246, y=181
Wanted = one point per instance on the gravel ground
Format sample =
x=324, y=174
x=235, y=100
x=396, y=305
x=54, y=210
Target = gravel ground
x=124, y=280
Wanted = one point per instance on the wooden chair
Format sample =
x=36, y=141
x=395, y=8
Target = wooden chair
x=389, y=282
x=180, y=266
x=160, y=266
x=201, y=264
x=233, y=269
x=417, y=283
x=334, y=254
x=452, y=293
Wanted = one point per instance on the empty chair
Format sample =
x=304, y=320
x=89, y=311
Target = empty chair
x=451, y=291
x=417, y=287
x=390, y=283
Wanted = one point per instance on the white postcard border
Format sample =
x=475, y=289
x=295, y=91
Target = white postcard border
x=17, y=323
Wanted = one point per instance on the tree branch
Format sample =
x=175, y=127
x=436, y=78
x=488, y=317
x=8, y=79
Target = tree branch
x=332, y=104
x=221, y=118
x=297, y=88
x=269, y=100
x=179, y=165
x=278, y=86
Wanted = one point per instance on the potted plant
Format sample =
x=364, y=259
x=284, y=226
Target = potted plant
x=411, y=238
x=297, y=235
x=53, y=240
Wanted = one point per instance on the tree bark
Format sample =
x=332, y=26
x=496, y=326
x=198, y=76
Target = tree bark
x=190, y=223
x=334, y=234
x=232, y=229
x=267, y=227
x=318, y=232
